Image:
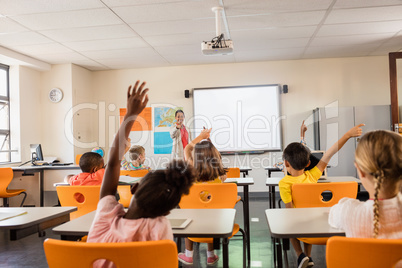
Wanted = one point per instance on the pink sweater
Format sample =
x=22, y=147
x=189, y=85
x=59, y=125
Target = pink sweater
x=110, y=226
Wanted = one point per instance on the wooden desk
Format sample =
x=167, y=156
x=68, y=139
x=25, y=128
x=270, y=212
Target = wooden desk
x=273, y=182
x=36, y=220
x=245, y=182
x=30, y=170
x=298, y=222
x=200, y=226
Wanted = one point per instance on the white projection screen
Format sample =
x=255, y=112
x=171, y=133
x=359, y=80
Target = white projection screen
x=244, y=119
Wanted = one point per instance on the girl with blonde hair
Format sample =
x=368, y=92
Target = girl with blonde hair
x=378, y=161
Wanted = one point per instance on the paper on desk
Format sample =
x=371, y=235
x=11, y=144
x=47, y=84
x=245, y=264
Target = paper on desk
x=128, y=179
x=231, y=180
x=9, y=215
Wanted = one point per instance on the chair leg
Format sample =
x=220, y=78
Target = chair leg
x=5, y=202
x=23, y=200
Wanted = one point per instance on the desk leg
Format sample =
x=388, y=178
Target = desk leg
x=41, y=187
x=245, y=173
x=225, y=252
x=246, y=211
x=278, y=252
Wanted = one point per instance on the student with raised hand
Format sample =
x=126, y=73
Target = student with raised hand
x=155, y=195
x=296, y=157
x=378, y=160
x=207, y=161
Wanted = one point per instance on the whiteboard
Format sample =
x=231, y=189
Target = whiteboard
x=243, y=119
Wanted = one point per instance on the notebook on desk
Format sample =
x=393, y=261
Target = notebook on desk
x=179, y=223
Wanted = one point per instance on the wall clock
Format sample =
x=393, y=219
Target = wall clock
x=55, y=95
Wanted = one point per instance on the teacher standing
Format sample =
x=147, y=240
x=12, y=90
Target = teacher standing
x=179, y=135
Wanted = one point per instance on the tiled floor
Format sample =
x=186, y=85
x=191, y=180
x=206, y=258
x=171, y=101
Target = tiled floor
x=28, y=252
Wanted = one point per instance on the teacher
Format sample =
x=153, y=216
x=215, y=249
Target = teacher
x=179, y=135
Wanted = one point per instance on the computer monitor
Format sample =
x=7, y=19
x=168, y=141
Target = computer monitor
x=36, y=152
x=315, y=157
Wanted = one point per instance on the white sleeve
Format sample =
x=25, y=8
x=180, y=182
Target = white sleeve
x=339, y=214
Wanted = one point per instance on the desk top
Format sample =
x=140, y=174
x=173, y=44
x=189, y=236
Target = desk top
x=241, y=181
x=33, y=216
x=300, y=222
x=200, y=226
x=272, y=168
x=39, y=168
x=275, y=180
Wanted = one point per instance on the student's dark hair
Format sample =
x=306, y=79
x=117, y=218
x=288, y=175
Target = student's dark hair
x=297, y=155
x=207, y=161
x=160, y=191
x=178, y=111
x=89, y=161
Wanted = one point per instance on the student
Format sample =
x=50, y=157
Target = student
x=137, y=157
x=378, y=163
x=156, y=194
x=296, y=158
x=209, y=169
x=92, y=167
x=179, y=135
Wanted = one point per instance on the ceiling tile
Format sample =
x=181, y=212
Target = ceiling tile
x=175, y=27
x=90, y=33
x=179, y=49
x=191, y=59
x=360, y=28
x=253, y=7
x=61, y=58
x=121, y=53
x=167, y=11
x=91, y=65
x=40, y=49
x=18, y=7
x=254, y=36
x=70, y=19
x=9, y=26
x=275, y=20
x=107, y=44
x=245, y=44
x=369, y=39
x=21, y=39
x=364, y=3
x=369, y=14
x=178, y=39
x=338, y=51
x=119, y=3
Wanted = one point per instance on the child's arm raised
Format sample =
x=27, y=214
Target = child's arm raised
x=190, y=147
x=137, y=99
x=355, y=131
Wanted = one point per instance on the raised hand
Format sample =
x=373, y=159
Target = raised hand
x=355, y=131
x=137, y=99
x=205, y=133
x=303, y=129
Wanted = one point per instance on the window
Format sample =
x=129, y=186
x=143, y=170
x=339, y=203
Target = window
x=5, y=152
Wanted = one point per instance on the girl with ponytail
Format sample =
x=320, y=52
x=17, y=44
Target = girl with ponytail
x=378, y=160
x=156, y=194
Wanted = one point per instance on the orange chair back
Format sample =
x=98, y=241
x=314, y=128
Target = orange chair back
x=134, y=173
x=125, y=195
x=144, y=254
x=85, y=198
x=77, y=159
x=233, y=173
x=305, y=195
x=6, y=176
x=363, y=252
x=223, y=195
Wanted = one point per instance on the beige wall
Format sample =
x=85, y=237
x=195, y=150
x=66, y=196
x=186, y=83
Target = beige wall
x=312, y=83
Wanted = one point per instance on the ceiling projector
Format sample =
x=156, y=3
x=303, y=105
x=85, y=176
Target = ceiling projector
x=210, y=48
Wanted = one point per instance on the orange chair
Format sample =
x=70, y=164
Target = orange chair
x=363, y=252
x=125, y=195
x=305, y=195
x=134, y=173
x=77, y=159
x=70, y=196
x=144, y=254
x=222, y=195
x=233, y=173
x=6, y=176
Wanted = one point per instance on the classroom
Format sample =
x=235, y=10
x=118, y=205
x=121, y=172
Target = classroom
x=66, y=65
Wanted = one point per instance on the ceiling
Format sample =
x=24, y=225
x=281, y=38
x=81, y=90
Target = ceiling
x=121, y=34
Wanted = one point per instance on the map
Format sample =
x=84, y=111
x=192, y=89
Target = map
x=164, y=116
